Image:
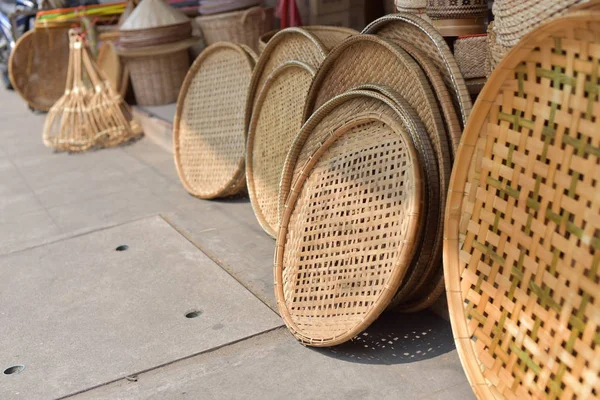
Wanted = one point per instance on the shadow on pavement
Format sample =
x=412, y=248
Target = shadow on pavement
x=398, y=339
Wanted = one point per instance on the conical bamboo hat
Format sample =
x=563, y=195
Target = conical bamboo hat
x=151, y=14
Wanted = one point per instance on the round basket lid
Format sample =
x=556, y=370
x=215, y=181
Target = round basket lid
x=208, y=130
x=276, y=120
x=413, y=29
x=151, y=14
x=38, y=66
x=522, y=231
x=308, y=45
x=351, y=224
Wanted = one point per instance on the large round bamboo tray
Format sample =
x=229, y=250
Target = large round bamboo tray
x=328, y=283
x=276, y=120
x=367, y=59
x=412, y=29
x=309, y=45
x=209, y=136
x=38, y=66
x=522, y=231
x=245, y=27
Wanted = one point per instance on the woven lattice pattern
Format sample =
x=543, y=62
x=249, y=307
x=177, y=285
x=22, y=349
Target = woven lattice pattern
x=527, y=268
x=157, y=79
x=349, y=235
x=38, y=66
x=455, y=9
x=471, y=55
x=210, y=135
x=276, y=121
x=412, y=29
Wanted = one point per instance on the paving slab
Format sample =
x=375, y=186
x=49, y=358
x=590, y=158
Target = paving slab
x=399, y=357
x=77, y=313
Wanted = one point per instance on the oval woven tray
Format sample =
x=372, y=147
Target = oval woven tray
x=412, y=29
x=307, y=45
x=110, y=65
x=347, y=237
x=276, y=120
x=208, y=130
x=522, y=231
x=38, y=66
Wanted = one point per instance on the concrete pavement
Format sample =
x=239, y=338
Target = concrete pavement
x=86, y=321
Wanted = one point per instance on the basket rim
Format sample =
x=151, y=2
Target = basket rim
x=271, y=45
x=260, y=101
x=238, y=177
x=404, y=259
x=245, y=12
x=458, y=83
x=452, y=269
x=157, y=50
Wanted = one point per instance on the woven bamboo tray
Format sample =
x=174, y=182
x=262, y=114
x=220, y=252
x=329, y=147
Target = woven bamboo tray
x=245, y=27
x=208, y=131
x=522, y=231
x=328, y=283
x=367, y=59
x=308, y=45
x=412, y=29
x=276, y=120
x=38, y=66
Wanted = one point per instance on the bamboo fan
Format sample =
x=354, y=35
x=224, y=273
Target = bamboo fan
x=90, y=113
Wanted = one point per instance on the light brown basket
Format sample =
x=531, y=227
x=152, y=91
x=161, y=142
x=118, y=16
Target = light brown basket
x=209, y=137
x=276, y=120
x=522, y=231
x=308, y=45
x=453, y=9
x=471, y=55
x=412, y=4
x=157, y=79
x=340, y=259
x=38, y=66
x=412, y=29
x=245, y=27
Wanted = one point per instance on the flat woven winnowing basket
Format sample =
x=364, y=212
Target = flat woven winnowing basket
x=276, y=120
x=208, y=131
x=347, y=237
x=522, y=231
x=38, y=66
x=414, y=30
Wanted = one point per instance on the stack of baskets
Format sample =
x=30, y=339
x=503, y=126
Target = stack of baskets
x=238, y=21
x=458, y=18
x=154, y=40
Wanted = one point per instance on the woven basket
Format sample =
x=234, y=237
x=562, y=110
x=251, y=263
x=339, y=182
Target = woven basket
x=264, y=39
x=276, y=120
x=209, y=7
x=245, y=27
x=471, y=55
x=412, y=29
x=522, y=231
x=514, y=18
x=411, y=4
x=308, y=45
x=350, y=65
x=155, y=36
x=157, y=79
x=38, y=66
x=453, y=9
x=328, y=283
x=208, y=131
